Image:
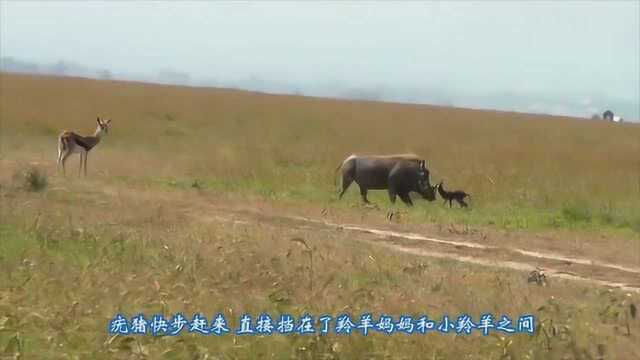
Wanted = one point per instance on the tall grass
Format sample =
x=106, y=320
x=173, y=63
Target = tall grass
x=70, y=270
x=288, y=147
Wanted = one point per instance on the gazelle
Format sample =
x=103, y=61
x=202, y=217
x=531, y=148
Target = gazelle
x=70, y=142
x=449, y=196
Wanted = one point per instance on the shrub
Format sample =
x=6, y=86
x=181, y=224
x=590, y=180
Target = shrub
x=32, y=179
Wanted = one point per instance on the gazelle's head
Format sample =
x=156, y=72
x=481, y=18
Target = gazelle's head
x=103, y=127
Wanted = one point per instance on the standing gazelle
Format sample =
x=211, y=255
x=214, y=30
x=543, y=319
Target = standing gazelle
x=70, y=142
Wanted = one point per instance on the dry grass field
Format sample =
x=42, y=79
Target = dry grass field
x=523, y=171
x=158, y=226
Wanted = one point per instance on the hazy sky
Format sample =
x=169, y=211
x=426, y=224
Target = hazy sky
x=574, y=49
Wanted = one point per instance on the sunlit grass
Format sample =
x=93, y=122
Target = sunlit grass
x=284, y=146
x=65, y=281
x=80, y=250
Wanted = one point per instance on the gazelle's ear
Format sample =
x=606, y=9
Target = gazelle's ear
x=98, y=120
x=108, y=122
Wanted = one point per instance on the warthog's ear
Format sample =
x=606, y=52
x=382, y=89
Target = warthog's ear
x=422, y=165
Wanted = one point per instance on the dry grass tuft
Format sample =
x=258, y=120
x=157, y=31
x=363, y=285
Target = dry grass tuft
x=31, y=179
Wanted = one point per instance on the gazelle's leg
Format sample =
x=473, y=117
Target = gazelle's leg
x=59, y=156
x=81, y=159
x=85, y=164
x=65, y=155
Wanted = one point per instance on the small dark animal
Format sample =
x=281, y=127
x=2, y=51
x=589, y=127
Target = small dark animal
x=449, y=196
x=537, y=276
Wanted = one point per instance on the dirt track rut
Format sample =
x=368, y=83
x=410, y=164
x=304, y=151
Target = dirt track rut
x=626, y=278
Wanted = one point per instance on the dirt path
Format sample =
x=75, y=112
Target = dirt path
x=555, y=265
x=523, y=257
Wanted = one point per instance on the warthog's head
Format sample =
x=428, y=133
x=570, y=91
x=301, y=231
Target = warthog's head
x=427, y=191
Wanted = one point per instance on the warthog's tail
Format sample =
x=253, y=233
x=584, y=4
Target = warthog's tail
x=335, y=177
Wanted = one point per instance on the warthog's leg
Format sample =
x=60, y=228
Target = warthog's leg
x=363, y=193
x=346, y=182
x=406, y=198
x=392, y=196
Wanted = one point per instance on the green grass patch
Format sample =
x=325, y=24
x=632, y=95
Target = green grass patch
x=578, y=215
x=13, y=243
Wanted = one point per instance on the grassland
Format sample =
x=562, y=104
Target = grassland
x=524, y=171
x=136, y=236
x=73, y=260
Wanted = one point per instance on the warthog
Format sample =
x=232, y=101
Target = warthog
x=399, y=174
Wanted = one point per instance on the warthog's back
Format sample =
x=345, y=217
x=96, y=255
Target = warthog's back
x=372, y=171
x=366, y=158
x=392, y=156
